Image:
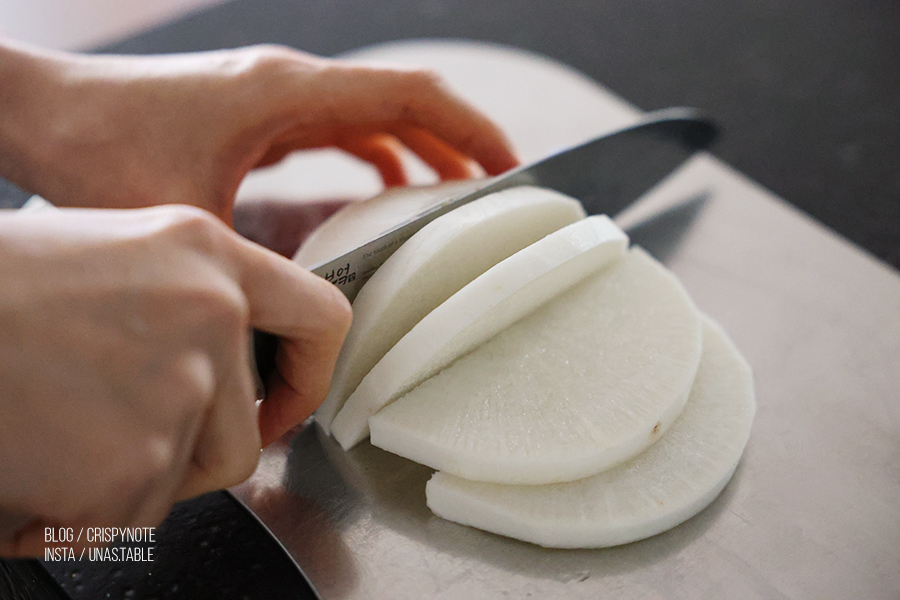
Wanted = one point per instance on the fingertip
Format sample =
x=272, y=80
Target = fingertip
x=498, y=155
x=28, y=541
x=487, y=145
x=382, y=152
x=510, y=160
x=280, y=411
x=427, y=102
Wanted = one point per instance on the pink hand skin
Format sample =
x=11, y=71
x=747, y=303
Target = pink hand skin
x=124, y=372
x=124, y=378
x=116, y=132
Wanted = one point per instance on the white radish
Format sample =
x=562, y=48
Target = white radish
x=500, y=296
x=669, y=483
x=359, y=222
x=587, y=381
x=431, y=266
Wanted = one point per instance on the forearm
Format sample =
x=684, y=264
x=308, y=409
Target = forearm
x=28, y=77
x=25, y=79
x=125, y=132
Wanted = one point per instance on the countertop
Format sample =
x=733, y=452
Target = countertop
x=807, y=95
x=807, y=92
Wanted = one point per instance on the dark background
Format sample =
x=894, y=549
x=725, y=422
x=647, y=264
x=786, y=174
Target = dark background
x=808, y=95
x=808, y=92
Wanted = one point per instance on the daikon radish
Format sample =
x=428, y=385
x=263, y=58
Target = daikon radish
x=587, y=381
x=431, y=266
x=359, y=222
x=500, y=296
x=667, y=484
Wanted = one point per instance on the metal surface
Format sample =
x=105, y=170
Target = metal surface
x=812, y=510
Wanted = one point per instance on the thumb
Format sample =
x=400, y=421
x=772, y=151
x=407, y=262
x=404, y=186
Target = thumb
x=310, y=317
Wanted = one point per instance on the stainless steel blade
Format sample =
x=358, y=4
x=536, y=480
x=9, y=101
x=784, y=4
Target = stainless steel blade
x=606, y=174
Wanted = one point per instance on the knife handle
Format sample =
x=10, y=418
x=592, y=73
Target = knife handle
x=263, y=348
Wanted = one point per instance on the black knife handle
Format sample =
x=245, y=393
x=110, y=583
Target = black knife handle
x=263, y=351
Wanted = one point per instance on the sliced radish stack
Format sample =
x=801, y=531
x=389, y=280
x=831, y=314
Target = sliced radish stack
x=669, y=483
x=499, y=297
x=589, y=380
x=431, y=266
x=566, y=389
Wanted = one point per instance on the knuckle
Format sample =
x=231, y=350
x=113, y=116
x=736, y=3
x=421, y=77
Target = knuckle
x=145, y=464
x=419, y=90
x=272, y=53
x=272, y=64
x=195, y=374
x=198, y=224
x=159, y=457
x=424, y=78
x=266, y=59
x=185, y=226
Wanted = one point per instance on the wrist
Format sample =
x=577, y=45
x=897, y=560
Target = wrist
x=28, y=78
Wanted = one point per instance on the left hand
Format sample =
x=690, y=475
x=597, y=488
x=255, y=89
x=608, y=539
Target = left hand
x=115, y=131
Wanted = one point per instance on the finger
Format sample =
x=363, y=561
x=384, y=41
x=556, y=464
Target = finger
x=141, y=482
x=311, y=318
x=381, y=151
x=275, y=153
x=447, y=162
x=282, y=409
x=189, y=385
x=27, y=541
x=419, y=97
x=304, y=365
x=226, y=450
x=381, y=98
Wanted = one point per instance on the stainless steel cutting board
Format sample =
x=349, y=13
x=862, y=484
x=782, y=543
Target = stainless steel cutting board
x=812, y=511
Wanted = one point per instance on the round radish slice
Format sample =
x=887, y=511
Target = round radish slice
x=672, y=481
x=359, y=222
x=431, y=266
x=500, y=296
x=587, y=381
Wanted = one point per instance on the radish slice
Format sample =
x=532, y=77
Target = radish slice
x=487, y=305
x=586, y=382
x=359, y=222
x=671, y=482
x=434, y=264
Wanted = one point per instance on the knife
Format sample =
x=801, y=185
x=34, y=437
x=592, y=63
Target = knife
x=606, y=174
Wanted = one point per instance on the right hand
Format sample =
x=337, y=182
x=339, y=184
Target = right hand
x=124, y=362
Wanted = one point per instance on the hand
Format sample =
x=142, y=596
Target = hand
x=124, y=372
x=114, y=131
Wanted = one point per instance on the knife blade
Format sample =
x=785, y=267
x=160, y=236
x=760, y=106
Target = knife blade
x=606, y=174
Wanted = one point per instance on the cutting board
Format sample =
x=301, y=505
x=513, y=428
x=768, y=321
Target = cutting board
x=812, y=511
